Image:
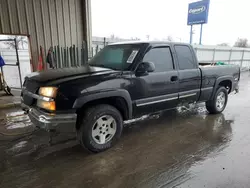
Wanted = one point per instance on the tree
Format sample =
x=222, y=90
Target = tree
x=223, y=44
x=21, y=41
x=135, y=38
x=170, y=39
x=241, y=42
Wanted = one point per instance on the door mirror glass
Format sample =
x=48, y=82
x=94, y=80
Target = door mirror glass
x=145, y=67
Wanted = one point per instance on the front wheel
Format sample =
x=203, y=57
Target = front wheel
x=100, y=128
x=219, y=101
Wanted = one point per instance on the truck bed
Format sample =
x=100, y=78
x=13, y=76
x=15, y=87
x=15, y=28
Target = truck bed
x=211, y=73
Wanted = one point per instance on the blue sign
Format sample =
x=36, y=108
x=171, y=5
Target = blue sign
x=198, y=12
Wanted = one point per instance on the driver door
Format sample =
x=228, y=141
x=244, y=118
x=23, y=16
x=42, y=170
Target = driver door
x=157, y=90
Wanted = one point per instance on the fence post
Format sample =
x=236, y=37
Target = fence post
x=196, y=50
x=59, y=59
x=74, y=55
x=97, y=49
x=64, y=57
x=214, y=55
x=77, y=57
x=71, y=64
x=104, y=41
x=86, y=52
x=242, y=58
x=82, y=54
x=54, y=56
x=230, y=55
x=67, y=57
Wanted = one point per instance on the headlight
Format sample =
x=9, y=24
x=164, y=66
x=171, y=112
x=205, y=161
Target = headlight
x=48, y=91
x=48, y=105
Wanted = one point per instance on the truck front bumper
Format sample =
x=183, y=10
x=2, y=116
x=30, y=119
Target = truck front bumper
x=51, y=122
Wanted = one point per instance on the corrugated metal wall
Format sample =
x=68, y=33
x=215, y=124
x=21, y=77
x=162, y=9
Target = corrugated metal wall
x=46, y=22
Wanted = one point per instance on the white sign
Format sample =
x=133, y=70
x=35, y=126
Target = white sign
x=132, y=56
x=197, y=10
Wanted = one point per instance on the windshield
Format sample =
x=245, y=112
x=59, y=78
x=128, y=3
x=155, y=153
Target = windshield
x=117, y=57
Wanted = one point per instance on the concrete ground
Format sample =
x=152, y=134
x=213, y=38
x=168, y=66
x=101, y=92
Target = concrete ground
x=181, y=149
x=7, y=101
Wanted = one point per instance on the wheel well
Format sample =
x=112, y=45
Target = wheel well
x=118, y=102
x=227, y=84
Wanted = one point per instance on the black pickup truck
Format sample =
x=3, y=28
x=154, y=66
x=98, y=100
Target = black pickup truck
x=123, y=81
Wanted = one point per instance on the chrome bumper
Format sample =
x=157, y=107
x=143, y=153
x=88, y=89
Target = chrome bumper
x=49, y=122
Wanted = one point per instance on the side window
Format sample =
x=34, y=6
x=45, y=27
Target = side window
x=161, y=57
x=185, y=57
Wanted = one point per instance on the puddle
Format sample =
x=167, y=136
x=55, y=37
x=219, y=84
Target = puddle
x=145, y=117
x=14, y=114
x=18, y=125
x=137, y=119
x=17, y=120
x=17, y=147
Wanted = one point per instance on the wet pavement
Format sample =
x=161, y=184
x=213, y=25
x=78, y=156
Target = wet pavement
x=183, y=148
x=7, y=101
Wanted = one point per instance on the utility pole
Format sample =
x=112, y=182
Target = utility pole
x=191, y=34
x=201, y=34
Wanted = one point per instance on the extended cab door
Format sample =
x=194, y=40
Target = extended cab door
x=189, y=73
x=157, y=90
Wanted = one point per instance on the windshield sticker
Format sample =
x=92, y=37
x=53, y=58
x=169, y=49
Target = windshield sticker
x=132, y=56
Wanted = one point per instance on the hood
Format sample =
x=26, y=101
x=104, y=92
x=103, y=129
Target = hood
x=54, y=74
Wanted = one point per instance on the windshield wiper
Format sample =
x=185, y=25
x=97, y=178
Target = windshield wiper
x=104, y=66
x=97, y=65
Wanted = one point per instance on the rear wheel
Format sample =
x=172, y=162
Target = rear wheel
x=219, y=101
x=100, y=128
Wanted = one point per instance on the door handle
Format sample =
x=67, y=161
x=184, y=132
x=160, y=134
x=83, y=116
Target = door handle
x=174, y=78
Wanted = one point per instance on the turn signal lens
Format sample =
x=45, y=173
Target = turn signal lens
x=51, y=105
x=48, y=91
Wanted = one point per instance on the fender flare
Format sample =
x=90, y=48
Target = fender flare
x=219, y=80
x=81, y=101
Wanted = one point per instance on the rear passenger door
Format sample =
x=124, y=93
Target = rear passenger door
x=189, y=74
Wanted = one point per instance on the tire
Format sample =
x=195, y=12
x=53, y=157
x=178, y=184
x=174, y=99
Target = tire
x=213, y=106
x=97, y=126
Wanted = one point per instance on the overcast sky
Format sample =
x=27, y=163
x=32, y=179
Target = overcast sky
x=228, y=20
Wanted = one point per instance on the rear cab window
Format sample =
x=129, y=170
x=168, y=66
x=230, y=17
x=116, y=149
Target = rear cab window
x=185, y=57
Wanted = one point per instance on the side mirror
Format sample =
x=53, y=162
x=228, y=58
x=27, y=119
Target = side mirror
x=145, y=67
